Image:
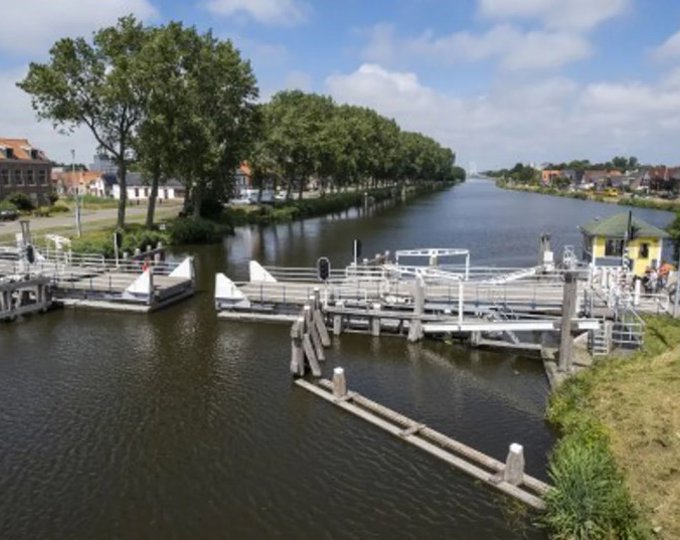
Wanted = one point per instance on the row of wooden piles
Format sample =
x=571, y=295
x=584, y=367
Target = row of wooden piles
x=309, y=336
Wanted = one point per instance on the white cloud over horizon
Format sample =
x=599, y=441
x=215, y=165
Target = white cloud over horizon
x=513, y=48
x=579, y=15
x=552, y=120
x=37, y=24
x=273, y=12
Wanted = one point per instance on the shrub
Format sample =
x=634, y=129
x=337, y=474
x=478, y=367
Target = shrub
x=101, y=242
x=589, y=500
x=42, y=211
x=195, y=231
x=6, y=205
x=59, y=208
x=53, y=198
x=21, y=201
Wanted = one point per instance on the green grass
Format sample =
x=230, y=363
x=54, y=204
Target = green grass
x=613, y=468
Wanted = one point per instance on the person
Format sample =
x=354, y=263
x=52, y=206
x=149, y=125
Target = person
x=145, y=265
x=664, y=272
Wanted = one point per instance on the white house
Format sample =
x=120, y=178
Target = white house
x=138, y=190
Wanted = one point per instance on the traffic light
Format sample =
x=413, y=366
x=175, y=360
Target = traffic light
x=323, y=268
x=30, y=254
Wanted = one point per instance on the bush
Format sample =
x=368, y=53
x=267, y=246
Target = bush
x=59, y=208
x=53, y=198
x=101, y=242
x=195, y=231
x=21, y=201
x=6, y=205
x=42, y=211
x=589, y=500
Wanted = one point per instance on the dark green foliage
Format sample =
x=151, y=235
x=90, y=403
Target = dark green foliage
x=21, y=201
x=589, y=500
x=195, y=231
x=53, y=198
x=6, y=205
x=101, y=242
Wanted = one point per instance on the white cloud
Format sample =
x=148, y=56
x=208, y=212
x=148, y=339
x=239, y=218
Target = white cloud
x=568, y=14
x=276, y=12
x=18, y=120
x=32, y=26
x=514, y=49
x=669, y=49
x=553, y=119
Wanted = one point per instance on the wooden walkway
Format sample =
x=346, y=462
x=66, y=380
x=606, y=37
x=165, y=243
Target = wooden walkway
x=508, y=477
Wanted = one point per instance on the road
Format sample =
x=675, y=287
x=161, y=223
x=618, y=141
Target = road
x=90, y=219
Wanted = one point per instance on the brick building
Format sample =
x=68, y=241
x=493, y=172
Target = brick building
x=24, y=169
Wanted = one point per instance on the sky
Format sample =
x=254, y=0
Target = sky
x=497, y=81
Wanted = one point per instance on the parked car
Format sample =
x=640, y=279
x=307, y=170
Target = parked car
x=8, y=215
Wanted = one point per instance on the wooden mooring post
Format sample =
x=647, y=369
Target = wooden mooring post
x=309, y=336
x=508, y=477
x=569, y=300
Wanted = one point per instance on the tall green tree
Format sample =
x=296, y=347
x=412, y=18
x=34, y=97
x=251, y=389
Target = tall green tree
x=219, y=129
x=93, y=84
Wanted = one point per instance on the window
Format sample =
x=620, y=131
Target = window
x=18, y=177
x=42, y=177
x=4, y=177
x=136, y=193
x=613, y=248
x=644, y=251
x=30, y=177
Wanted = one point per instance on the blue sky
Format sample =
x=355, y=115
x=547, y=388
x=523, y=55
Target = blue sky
x=499, y=81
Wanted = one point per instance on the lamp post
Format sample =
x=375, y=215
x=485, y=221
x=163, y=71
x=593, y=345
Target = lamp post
x=77, y=194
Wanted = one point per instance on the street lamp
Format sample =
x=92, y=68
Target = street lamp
x=77, y=194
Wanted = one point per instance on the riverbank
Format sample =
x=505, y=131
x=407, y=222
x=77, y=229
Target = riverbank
x=615, y=469
x=328, y=204
x=185, y=231
x=637, y=202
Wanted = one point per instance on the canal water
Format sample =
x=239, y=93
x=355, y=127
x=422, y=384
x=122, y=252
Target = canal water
x=177, y=425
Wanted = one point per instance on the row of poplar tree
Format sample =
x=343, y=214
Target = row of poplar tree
x=172, y=102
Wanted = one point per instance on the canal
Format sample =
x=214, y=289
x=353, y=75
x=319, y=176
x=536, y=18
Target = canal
x=175, y=425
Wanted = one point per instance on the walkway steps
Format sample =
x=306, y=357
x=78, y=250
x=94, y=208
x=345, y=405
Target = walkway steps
x=485, y=468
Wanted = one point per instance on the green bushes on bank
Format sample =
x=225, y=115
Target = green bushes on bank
x=195, y=231
x=590, y=499
x=101, y=242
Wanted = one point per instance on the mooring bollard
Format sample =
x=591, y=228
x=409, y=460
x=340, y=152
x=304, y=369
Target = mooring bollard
x=375, y=322
x=339, y=383
x=514, y=465
x=297, y=355
x=337, y=319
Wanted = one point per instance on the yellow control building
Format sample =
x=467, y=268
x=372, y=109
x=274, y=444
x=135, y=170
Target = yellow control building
x=611, y=241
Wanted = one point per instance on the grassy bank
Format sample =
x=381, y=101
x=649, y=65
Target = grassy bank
x=307, y=208
x=616, y=468
x=638, y=202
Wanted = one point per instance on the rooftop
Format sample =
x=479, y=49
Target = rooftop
x=20, y=150
x=617, y=225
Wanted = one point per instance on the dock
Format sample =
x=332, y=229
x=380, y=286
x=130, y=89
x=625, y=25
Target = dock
x=508, y=477
x=94, y=282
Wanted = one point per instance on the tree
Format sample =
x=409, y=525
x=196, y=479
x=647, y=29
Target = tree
x=93, y=84
x=216, y=131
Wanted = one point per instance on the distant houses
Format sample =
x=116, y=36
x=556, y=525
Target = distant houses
x=662, y=181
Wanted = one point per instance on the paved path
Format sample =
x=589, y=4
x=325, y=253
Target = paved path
x=134, y=214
